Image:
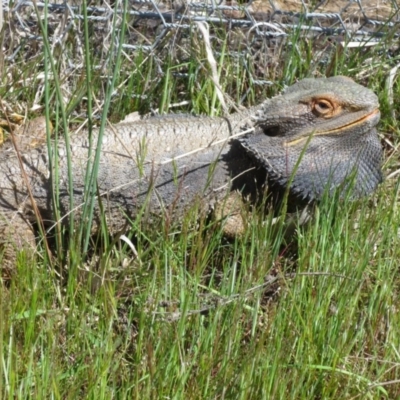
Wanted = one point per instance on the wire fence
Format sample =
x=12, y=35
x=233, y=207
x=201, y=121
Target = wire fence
x=251, y=30
x=358, y=20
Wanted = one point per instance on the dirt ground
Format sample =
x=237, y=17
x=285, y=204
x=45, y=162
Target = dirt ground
x=374, y=9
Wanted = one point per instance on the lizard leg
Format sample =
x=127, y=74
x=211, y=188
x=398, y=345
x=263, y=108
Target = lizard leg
x=16, y=234
x=232, y=210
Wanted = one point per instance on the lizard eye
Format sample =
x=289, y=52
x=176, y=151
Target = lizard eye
x=322, y=107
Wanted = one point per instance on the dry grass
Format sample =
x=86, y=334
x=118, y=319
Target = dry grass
x=265, y=59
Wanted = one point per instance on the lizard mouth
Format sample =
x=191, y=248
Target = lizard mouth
x=336, y=131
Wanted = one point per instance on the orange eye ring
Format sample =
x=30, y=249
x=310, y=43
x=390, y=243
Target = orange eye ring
x=323, y=107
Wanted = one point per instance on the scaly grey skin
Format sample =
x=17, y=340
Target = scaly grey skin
x=142, y=163
x=329, y=139
x=139, y=166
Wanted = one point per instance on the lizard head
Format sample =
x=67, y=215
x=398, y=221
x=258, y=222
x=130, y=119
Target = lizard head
x=318, y=136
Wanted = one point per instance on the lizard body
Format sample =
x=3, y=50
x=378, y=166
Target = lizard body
x=320, y=130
